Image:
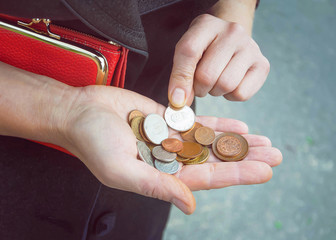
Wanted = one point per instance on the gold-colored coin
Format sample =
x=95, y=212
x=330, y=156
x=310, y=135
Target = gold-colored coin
x=205, y=135
x=200, y=159
x=142, y=132
x=150, y=145
x=135, y=125
x=190, y=150
x=181, y=159
x=133, y=114
x=189, y=135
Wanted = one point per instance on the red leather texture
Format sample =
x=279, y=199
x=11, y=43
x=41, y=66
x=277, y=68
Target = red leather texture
x=65, y=66
x=45, y=59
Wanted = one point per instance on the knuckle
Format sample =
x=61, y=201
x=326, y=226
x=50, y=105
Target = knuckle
x=265, y=64
x=151, y=188
x=187, y=47
x=226, y=85
x=204, y=18
x=224, y=88
x=200, y=92
x=235, y=28
x=183, y=76
x=267, y=141
x=146, y=188
x=253, y=44
x=238, y=95
x=215, y=92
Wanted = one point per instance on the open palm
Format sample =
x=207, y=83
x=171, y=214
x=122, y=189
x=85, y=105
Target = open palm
x=101, y=137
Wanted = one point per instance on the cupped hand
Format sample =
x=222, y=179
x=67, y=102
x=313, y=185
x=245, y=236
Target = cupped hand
x=219, y=58
x=97, y=132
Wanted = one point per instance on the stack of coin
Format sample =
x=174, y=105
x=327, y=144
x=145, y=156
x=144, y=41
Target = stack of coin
x=156, y=149
x=151, y=131
x=193, y=153
x=165, y=161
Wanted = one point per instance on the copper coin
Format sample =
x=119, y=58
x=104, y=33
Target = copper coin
x=190, y=150
x=133, y=114
x=189, y=135
x=229, y=146
x=236, y=148
x=200, y=159
x=205, y=135
x=141, y=130
x=172, y=145
x=135, y=125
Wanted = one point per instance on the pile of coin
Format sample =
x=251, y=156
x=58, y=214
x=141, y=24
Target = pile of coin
x=164, y=153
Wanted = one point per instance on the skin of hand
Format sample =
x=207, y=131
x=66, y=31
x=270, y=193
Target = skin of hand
x=98, y=133
x=91, y=122
x=218, y=57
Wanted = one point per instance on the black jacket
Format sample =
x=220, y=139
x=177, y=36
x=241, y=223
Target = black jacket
x=46, y=194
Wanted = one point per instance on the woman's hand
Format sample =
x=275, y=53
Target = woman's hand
x=98, y=133
x=217, y=57
x=91, y=122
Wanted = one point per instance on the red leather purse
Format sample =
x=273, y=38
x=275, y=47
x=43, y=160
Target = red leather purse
x=68, y=56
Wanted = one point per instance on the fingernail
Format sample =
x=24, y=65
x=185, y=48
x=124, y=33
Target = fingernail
x=178, y=97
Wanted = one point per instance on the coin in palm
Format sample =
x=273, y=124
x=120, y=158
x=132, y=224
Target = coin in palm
x=180, y=120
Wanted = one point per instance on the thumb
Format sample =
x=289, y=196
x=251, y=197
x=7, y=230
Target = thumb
x=180, y=89
x=146, y=180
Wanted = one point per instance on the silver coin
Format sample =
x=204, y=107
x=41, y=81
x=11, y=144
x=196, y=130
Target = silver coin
x=180, y=120
x=155, y=128
x=170, y=168
x=163, y=155
x=145, y=153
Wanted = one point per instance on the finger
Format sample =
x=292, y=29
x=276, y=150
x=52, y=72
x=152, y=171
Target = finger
x=252, y=82
x=223, y=124
x=257, y=140
x=191, y=98
x=233, y=74
x=187, y=54
x=254, y=140
x=270, y=155
x=146, y=180
x=220, y=175
x=216, y=58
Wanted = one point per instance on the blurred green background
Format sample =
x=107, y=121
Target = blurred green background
x=296, y=110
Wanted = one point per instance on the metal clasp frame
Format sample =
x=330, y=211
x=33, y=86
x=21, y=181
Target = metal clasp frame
x=36, y=21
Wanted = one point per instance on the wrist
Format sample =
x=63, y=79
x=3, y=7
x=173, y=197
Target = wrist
x=239, y=11
x=56, y=122
x=33, y=106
